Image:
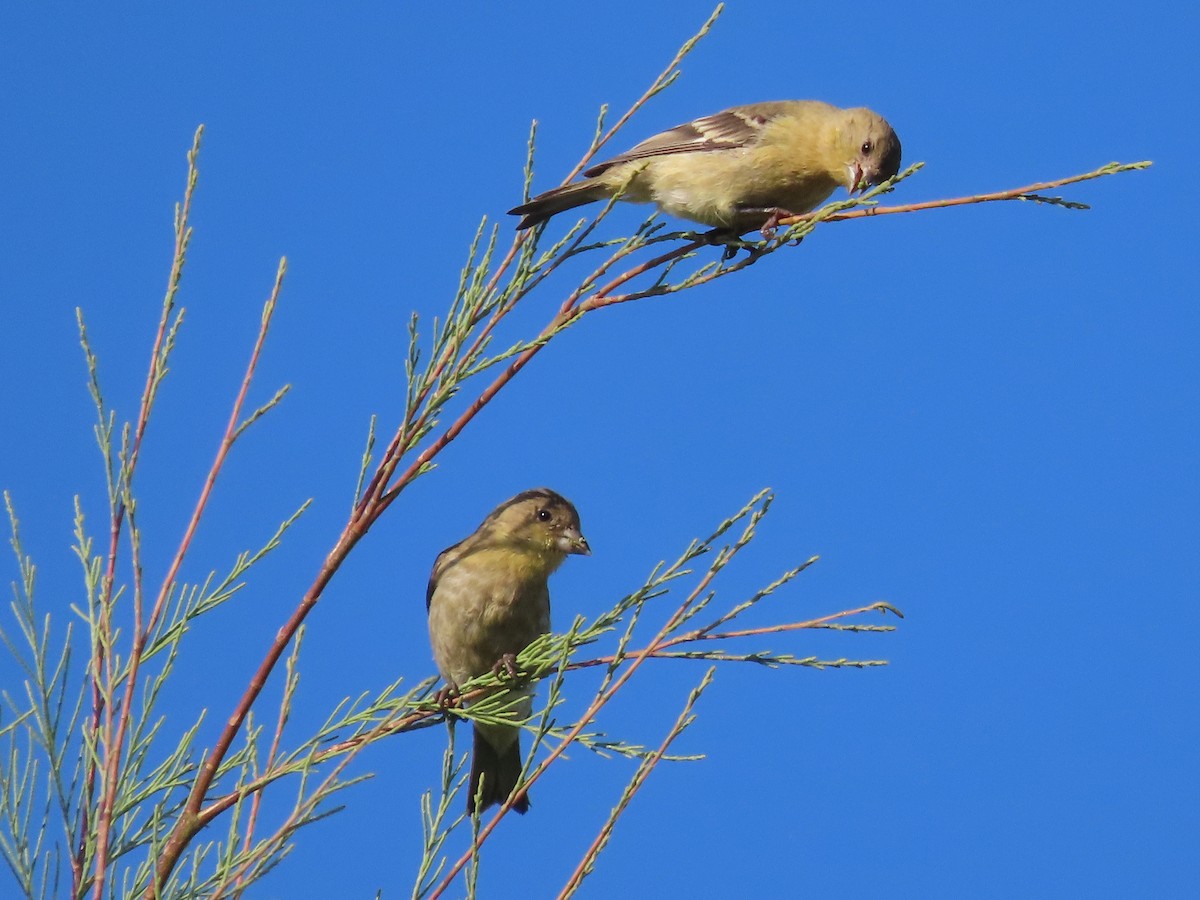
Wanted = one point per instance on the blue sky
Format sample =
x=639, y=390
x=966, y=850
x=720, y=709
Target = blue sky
x=986, y=416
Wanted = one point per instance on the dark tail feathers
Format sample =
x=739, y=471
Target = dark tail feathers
x=551, y=203
x=499, y=773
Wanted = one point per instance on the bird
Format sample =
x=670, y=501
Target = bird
x=488, y=598
x=743, y=168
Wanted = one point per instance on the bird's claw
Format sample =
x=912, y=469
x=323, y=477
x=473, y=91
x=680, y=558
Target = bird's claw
x=769, y=227
x=729, y=241
x=507, y=664
x=446, y=696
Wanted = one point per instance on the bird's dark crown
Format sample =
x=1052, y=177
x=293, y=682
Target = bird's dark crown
x=538, y=499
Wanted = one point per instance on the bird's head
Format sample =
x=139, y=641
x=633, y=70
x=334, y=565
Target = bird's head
x=541, y=521
x=871, y=147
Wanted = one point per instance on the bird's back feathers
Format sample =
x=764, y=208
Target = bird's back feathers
x=729, y=129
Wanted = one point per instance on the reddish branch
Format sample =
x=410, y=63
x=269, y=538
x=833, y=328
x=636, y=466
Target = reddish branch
x=414, y=718
x=384, y=487
x=382, y=490
x=1029, y=192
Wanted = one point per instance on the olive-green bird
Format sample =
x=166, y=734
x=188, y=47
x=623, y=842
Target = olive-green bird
x=743, y=168
x=488, y=599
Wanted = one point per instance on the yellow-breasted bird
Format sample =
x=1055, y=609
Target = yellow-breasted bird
x=743, y=168
x=488, y=599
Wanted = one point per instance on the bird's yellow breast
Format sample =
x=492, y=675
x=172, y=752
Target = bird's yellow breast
x=518, y=563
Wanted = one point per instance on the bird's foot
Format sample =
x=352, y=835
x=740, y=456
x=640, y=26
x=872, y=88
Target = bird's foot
x=507, y=664
x=728, y=239
x=774, y=215
x=447, y=696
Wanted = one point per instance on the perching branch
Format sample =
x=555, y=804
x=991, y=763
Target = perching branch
x=1030, y=192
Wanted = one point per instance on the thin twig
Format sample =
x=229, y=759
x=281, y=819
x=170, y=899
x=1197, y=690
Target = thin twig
x=1028, y=192
x=183, y=233
x=645, y=768
x=183, y=829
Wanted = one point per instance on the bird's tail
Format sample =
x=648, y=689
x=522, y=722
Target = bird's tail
x=560, y=199
x=499, y=770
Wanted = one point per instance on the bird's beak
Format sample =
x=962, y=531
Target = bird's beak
x=858, y=180
x=574, y=542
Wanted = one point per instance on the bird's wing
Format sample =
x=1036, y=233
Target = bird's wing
x=543, y=609
x=726, y=130
x=439, y=565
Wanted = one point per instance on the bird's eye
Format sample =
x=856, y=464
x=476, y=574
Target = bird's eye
x=543, y=515
x=866, y=148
